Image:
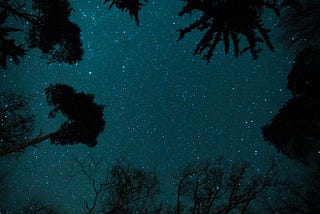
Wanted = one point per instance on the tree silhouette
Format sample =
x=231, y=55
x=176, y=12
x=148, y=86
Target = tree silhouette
x=130, y=6
x=221, y=187
x=300, y=23
x=8, y=47
x=214, y=186
x=229, y=19
x=295, y=130
x=50, y=30
x=304, y=77
x=84, y=119
x=17, y=123
x=57, y=37
x=126, y=189
x=130, y=189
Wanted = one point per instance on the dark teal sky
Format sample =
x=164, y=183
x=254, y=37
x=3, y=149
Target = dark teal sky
x=164, y=107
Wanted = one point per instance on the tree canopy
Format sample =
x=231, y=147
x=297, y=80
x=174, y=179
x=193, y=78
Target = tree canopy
x=8, y=47
x=300, y=23
x=205, y=188
x=53, y=33
x=304, y=77
x=228, y=21
x=295, y=129
x=49, y=29
x=130, y=6
x=85, y=118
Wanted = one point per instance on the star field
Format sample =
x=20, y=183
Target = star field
x=164, y=107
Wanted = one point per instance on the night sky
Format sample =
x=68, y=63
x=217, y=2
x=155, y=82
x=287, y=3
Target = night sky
x=164, y=107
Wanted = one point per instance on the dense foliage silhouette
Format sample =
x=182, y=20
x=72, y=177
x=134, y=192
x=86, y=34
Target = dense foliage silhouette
x=130, y=6
x=49, y=29
x=300, y=23
x=294, y=131
x=304, y=77
x=8, y=47
x=54, y=34
x=229, y=20
x=59, y=39
x=206, y=188
x=84, y=120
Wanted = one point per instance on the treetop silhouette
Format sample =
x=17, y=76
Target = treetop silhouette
x=229, y=19
x=8, y=47
x=130, y=6
x=84, y=119
x=222, y=20
x=49, y=29
x=54, y=34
